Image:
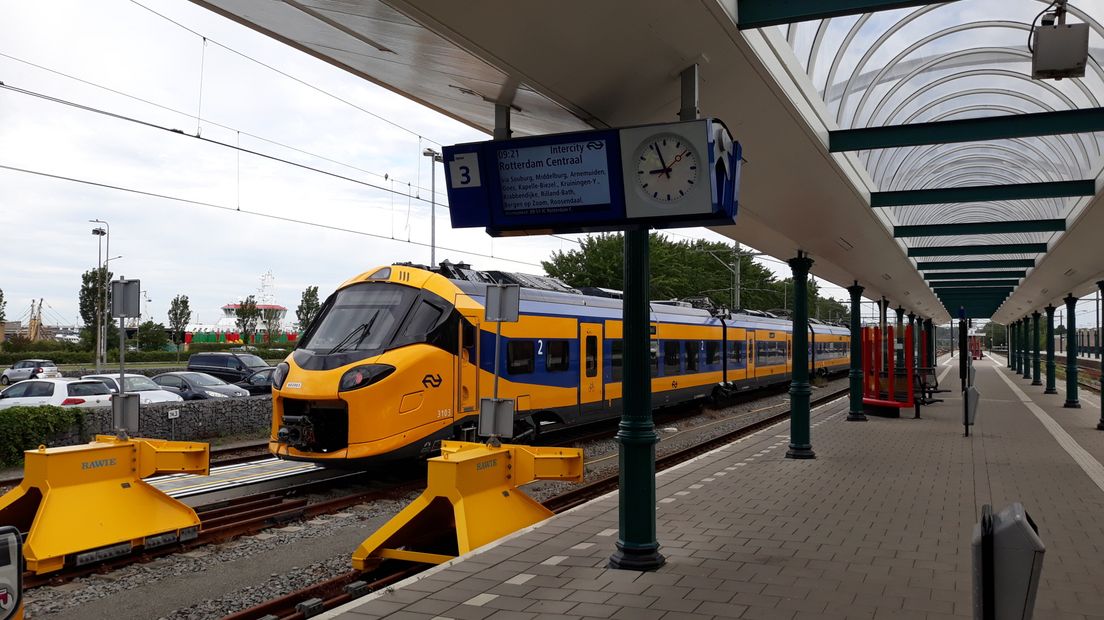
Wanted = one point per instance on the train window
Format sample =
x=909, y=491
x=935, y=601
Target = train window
x=655, y=358
x=519, y=357
x=469, y=334
x=557, y=357
x=672, y=350
x=692, y=348
x=591, y=356
x=425, y=317
x=712, y=352
x=616, y=348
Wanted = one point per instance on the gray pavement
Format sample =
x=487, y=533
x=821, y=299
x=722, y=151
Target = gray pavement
x=878, y=526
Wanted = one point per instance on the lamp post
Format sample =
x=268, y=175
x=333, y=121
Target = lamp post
x=434, y=157
x=100, y=234
x=101, y=333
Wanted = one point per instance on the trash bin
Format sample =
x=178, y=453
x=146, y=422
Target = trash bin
x=1007, y=562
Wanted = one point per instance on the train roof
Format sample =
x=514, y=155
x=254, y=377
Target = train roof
x=549, y=295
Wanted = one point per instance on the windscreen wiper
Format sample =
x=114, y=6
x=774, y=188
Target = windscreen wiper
x=362, y=330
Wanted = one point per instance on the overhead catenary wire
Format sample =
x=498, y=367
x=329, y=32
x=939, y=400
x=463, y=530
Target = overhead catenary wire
x=281, y=218
x=285, y=74
x=151, y=125
x=205, y=121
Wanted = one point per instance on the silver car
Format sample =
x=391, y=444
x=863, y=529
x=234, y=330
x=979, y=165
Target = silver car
x=30, y=369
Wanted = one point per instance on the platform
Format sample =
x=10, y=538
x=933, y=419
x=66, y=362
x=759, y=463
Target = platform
x=877, y=526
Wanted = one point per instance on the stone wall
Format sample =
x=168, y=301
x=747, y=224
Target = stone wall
x=198, y=420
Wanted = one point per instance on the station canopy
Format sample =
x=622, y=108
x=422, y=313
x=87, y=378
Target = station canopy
x=902, y=142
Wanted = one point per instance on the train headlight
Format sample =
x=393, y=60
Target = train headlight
x=280, y=374
x=361, y=376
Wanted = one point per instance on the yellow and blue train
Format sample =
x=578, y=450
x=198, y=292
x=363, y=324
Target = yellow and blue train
x=399, y=357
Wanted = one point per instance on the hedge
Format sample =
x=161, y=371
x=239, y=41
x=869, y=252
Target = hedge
x=26, y=428
x=85, y=357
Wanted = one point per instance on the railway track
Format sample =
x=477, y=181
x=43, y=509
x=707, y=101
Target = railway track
x=219, y=456
x=353, y=584
x=246, y=515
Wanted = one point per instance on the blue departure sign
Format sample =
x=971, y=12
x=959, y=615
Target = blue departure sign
x=669, y=175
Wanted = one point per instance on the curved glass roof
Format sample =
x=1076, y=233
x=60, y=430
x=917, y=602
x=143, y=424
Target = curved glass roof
x=951, y=61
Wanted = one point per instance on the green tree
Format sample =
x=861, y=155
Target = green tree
x=308, y=308
x=180, y=314
x=247, y=315
x=270, y=318
x=91, y=297
x=3, y=307
x=152, y=336
x=684, y=270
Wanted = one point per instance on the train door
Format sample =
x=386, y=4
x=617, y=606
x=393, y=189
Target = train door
x=749, y=368
x=467, y=368
x=591, y=383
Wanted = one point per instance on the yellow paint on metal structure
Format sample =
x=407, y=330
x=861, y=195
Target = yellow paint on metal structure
x=90, y=500
x=471, y=499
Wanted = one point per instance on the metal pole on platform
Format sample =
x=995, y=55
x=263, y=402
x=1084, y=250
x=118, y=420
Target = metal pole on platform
x=1072, y=402
x=1050, y=369
x=883, y=310
x=855, y=375
x=899, y=337
x=637, y=547
x=1036, y=362
x=800, y=433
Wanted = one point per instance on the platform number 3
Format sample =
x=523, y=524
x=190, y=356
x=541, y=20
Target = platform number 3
x=464, y=171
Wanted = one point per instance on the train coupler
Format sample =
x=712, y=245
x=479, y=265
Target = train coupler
x=88, y=503
x=471, y=498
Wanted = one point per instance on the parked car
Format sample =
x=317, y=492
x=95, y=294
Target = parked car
x=30, y=369
x=197, y=385
x=260, y=382
x=60, y=392
x=148, y=391
x=226, y=365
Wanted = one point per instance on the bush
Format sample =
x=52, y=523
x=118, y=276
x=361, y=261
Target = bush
x=26, y=428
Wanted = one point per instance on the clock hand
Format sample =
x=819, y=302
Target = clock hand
x=666, y=168
x=678, y=158
x=659, y=171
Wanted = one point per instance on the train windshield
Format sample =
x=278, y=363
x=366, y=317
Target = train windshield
x=363, y=317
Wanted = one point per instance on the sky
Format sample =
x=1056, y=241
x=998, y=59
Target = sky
x=202, y=219
x=200, y=235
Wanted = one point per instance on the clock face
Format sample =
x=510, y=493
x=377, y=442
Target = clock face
x=666, y=168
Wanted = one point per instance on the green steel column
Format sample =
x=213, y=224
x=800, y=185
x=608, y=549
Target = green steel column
x=1027, y=347
x=915, y=335
x=1072, y=401
x=899, y=337
x=929, y=342
x=1013, y=344
x=1021, y=346
x=637, y=548
x=1051, y=388
x=800, y=441
x=1100, y=424
x=855, y=375
x=1008, y=345
x=1036, y=377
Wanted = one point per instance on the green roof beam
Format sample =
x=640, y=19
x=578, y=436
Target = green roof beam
x=763, y=13
x=947, y=288
x=943, y=283
x=1084, y=120
x=983, y=193
x=975, y=264
x=964, y=250
x=973, y=275
x=979, y=228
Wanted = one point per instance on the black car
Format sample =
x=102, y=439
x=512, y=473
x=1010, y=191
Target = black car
x=259, y=382
x=228, y=366
x=197, y=385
